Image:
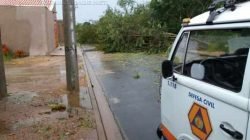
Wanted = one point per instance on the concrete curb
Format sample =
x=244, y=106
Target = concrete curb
x=99, y=125
x=111, y=130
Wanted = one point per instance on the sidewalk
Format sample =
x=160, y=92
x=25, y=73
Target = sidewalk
x=39, y=106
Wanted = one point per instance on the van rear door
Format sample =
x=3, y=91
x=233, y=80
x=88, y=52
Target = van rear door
x=208, y=96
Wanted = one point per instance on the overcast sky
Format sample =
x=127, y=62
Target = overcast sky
x=89, y=9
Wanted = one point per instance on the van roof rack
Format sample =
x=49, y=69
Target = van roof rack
x=228, y=4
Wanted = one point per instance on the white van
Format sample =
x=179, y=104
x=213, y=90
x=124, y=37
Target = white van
x=206, y=86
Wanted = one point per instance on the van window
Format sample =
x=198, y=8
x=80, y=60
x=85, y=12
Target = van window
x=178, y=59
x=218, y=57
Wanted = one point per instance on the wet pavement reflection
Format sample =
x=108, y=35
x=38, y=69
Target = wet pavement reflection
x=131, y=84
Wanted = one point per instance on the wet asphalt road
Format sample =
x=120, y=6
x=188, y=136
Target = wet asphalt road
x=131, y=85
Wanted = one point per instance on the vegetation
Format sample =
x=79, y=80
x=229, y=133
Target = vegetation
x=7, y=53
x=131, y=31
x=172, y=12
x=140, y=28
x=19, y=54
x=86, y=33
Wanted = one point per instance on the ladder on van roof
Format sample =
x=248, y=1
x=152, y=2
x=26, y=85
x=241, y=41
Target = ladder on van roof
x=228, y=4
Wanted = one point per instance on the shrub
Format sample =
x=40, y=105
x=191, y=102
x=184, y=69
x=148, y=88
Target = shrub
x=19, y=54
x=7, y=53
x=5, y=49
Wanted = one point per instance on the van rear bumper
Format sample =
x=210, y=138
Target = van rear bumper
x=164, y=133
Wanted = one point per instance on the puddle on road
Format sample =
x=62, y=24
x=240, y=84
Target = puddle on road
x=114, y=100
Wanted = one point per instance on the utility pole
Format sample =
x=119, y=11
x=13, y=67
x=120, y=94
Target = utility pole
x=3, y=87
x=70, y=45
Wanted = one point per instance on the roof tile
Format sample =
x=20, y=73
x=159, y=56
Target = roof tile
x=46, y=3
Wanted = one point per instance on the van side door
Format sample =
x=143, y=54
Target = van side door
x=209, y=99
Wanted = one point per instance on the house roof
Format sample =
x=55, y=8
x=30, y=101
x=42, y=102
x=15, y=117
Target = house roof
x=41, y=3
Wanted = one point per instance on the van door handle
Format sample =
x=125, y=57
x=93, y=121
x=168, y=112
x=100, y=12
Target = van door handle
x=235, y=134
